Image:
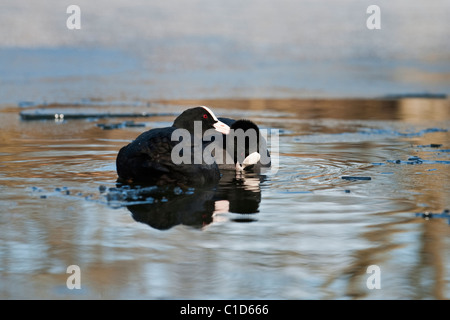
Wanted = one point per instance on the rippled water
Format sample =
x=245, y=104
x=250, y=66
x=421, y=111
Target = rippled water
x=299, y=232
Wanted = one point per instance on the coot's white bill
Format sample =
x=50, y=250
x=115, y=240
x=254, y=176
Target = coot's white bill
x=222, y=127
x=251, y=159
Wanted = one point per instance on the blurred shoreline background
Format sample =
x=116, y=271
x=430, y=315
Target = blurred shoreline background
x=165, y=50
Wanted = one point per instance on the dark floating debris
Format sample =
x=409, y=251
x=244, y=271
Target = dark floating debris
x=356, y=178
x=425, y=95
x=411, y=160
x=74, y=113
x=244, y=220
x=432, y=145
x=445, y=214
x=132, y=124
x=119, y=125
x=418, y=160
x=374, y=131
x=415, y=160
x=125, y=195
x=109, y=126
x=115, y=196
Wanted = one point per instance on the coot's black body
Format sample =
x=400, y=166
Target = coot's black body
x=148, y=159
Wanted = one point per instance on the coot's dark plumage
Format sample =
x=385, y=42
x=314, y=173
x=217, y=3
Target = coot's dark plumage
x=148, y=159
x=252, y=155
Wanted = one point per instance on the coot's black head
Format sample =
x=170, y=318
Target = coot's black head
x=208, y=120
x=246, y=143
x=245, y=125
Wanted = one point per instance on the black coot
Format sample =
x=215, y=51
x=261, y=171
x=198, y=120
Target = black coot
x=149, y=159
x=244, y=149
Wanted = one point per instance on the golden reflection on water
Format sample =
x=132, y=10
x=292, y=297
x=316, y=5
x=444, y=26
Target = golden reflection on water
x=379, y=109
x=431, y=262
x=416, y=110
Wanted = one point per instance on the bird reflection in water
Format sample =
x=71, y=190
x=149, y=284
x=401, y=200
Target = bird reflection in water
x=237, y=195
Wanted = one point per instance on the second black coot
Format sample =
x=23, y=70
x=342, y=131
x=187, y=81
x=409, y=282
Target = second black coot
x=243, y=149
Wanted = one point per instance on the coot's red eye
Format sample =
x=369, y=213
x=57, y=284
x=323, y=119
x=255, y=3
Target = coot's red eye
x=205, y=116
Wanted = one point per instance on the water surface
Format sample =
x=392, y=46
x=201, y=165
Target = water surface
x=299, y=232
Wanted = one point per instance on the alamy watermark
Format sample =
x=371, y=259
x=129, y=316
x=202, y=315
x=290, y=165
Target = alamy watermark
x=73, y=22
x=374, y=20
x=374, y=280
x=74, y=280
